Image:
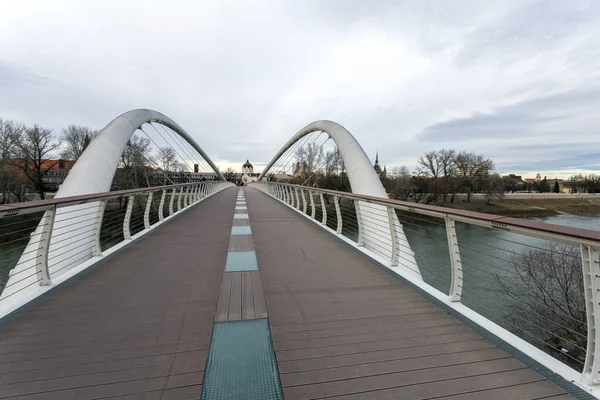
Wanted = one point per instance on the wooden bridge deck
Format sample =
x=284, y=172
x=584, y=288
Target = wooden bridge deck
x=139, y=326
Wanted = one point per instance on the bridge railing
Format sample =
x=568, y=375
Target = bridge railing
x=534, y=285
x=43, y=243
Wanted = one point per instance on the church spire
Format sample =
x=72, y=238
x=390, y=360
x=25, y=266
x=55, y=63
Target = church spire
x=377, y=157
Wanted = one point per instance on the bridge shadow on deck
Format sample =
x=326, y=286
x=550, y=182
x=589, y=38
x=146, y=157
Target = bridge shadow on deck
x=137, y=327
x=344, y=328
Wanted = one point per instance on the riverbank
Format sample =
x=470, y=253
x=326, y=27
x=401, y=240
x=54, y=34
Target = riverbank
x=524, y=208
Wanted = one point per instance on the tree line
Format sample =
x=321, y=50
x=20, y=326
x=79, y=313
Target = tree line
x=29, y=155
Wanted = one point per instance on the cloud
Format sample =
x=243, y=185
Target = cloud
x=543, y=116
x=403, y=76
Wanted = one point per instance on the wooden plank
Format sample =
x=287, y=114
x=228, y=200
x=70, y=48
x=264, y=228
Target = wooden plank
x=235, y=298
x=342, y=328
x=247, y=296
x=241, y=243
x=260, y=308
x=534, y=390
x=222, y=313
x=104, y=337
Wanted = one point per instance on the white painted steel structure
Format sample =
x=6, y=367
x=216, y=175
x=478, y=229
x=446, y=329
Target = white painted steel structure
x=92, y=173
x=363, y=180
x=588, y=241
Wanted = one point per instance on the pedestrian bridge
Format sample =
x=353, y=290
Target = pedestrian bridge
x=272, y=290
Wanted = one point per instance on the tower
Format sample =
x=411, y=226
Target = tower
x=376, y=166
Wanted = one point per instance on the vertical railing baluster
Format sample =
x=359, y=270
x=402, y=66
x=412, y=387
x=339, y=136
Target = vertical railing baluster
x=161, y=214
x=324, y=209
x=590, y=261
x=186, y=197
x=391, y=212
x=147, y=211
x=304, y=205
x=96, y=244
x=179, y=199
x=171, y=201
x=127, y=219
x=312, y=205
x=42, y=269
x=360, y=240
x=456, y=282
x=338, y=214
x=297, y=198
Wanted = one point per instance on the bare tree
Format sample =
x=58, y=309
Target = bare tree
x=439, y=167
x=167, y=158
x=470, y=168
x=34, y=149
x=430, y=165
x=448, y=167
x=135, y=164
x=309, y=157
x=545, y=286
x=76, y=139
x=400, y=183
x=8, y=133
x=493, y=188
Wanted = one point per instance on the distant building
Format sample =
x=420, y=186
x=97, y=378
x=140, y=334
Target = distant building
x=376, y=165
x=54, y=171
x=248, y=174
x=516, y=179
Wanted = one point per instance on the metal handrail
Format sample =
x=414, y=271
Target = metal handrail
x=10, y=209
x=377, y=219
x=533, y=228
x=35, y=261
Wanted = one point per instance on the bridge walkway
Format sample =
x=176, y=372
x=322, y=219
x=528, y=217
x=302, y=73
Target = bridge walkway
x=140, y=325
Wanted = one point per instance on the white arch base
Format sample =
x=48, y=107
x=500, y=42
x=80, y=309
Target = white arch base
x=72, y=235
x=363, y=180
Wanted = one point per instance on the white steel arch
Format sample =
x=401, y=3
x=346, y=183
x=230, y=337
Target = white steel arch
x=103, y=154
x=92, y=173
x=363, y=180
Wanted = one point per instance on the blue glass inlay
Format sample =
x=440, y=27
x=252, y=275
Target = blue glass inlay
x=240, y=216
x=241, y=261
x=241, y=230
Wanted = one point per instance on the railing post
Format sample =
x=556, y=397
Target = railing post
x=147, y=211
x=161, y=206
x=360, y=240
x=171, y=201
x=391, y=212
x=127, y=219
x=303, y=201
x=312, y=205
x=455, y=262
x=590, y=260
x=291, y=196
x=324, y=209
x=96, y=245
x=297, y=198
x=338, y=214
x=186, y=198
x=42, y=271
x=179, y=199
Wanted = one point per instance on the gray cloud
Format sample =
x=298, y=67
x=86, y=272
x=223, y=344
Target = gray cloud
x=403, y=77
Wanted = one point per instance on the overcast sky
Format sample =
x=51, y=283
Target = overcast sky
x=518, y=81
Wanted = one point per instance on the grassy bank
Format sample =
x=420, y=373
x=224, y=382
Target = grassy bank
x=530, y=207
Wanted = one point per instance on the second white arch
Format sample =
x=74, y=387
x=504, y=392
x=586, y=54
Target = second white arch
x=363, y=180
